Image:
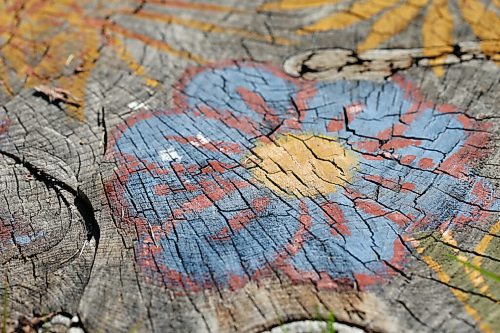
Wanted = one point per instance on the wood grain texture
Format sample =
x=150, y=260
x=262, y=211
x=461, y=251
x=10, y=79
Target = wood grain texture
x=228, y=166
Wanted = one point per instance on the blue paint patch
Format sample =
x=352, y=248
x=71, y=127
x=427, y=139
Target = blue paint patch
x=204, y=221
x=24, y=240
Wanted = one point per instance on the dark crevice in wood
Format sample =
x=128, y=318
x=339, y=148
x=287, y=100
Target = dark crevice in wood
x=81, y=201
x=101, y=122
x=411, y=313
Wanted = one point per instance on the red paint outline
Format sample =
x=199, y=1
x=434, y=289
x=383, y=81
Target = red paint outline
x=305, y=91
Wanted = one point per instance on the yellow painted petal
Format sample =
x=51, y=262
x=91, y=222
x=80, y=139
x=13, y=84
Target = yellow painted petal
x=392, y=23
x=296, y=4
x=437, y=34
x=7, y=16
x=208, y=27
x=485, y=24
x=483, y=244
x=359, y=11
x=50, y=47
x=15, y=58
x=52, y=62
x=126, y=57
x=14, y=44
x=4, y=78
x=462, y=296
x=474, y=276
x=77, y=84
x=195, y=6
x=159, y=45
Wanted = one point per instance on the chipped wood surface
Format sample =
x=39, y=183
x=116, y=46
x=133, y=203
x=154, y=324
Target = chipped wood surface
x=376, y=64
x=258, y=166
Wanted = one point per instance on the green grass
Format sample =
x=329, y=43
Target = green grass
x=329, y=323
x=330, y=320
x=482, y=271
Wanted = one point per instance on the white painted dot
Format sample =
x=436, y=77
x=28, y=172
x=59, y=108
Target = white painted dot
x=137, y=105
x=170, y=154
x=200, y=140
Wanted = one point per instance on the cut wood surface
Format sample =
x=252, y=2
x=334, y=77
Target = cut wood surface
x=250, y=166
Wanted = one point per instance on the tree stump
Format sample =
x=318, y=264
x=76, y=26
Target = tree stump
x=269, y=166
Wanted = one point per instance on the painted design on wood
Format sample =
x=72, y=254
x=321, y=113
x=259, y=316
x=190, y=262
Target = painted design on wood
x=254, y=173
x=391, y=17
x=473, y=275
x=59, y=42
x=14, y=236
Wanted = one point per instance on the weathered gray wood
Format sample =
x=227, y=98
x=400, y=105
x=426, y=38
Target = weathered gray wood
x=94, y=96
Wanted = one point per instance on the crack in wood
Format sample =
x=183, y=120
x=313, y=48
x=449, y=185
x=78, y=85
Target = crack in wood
x=184, y=188
x=81, y=201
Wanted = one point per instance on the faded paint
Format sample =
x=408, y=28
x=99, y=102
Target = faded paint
x=12, y=236
x=210, y=220
x=391, y=17
x=60, y=42
x=4, y=125
x=302, y=165
x=443, y=255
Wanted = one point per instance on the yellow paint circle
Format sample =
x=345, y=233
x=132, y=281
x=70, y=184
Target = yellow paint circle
x=301, y=165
